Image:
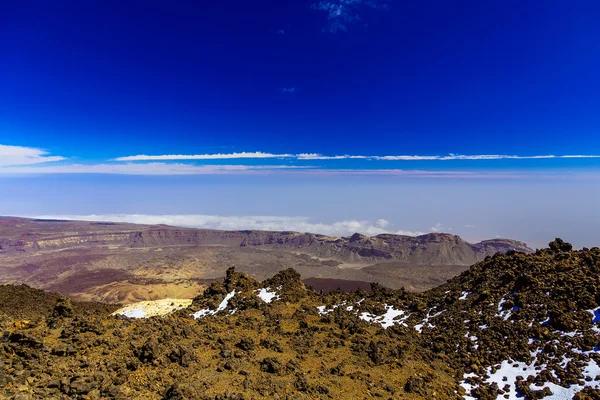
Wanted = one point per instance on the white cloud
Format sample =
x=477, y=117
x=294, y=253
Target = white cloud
x=449, y=157
x=580, y=156
x=438, y=227
x=218, y=156
x=434, y=174
x=157, y=168
x=342, y=13
x=19, y=155
x=20, y=160
x=147, y=169
x=406, y=158
x=467, y=157
x=269, y=223
x=382, y=223
x=318, y=156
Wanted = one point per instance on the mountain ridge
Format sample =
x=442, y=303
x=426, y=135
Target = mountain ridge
x=445, y=248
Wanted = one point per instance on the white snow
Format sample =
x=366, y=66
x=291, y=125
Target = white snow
x=500, y=303
x=322, y=311
x=222, y=306
x=464, y=295
x=569, y=334
x=547, y=320
x=391, y=316
x=508, y=371
x=506, y=374
x=511, y=370
x=595, y=315
x=153, y=308
x=468, y=386
x=419, y=327
x=267, y=295
x=504, y=314
x=388, y=319
x=135, y=313
x=566, y=393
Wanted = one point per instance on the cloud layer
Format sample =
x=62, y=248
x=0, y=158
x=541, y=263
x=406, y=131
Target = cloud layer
x=21, y=160
x=317, y=156
x=450, y=157
x=268, y=223
x=148, y=169
x=19, y=155
x=155, y=168
x=218, y=156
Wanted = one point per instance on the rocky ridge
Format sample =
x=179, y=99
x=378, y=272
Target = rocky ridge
x=514, y=326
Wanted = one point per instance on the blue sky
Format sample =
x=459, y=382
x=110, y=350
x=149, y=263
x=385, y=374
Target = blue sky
x=461, y=97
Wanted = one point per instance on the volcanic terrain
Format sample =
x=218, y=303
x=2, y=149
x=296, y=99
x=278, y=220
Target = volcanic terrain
x=512, y=326
x=125, y=263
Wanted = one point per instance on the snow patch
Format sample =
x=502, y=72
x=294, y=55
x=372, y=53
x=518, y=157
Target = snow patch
x=222, y=306
x=595, y=315
x=507, y=372
x=547, y=320
x=591, y=371
x=154, y=308
x=504, y=314
x=426, y=323
x=324, y=310
x=267, y=295
x=390, y=318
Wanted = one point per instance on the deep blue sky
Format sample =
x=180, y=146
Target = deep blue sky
x=95, y=80
x=85, y=82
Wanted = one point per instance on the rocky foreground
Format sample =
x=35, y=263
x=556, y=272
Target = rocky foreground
x=513, y=326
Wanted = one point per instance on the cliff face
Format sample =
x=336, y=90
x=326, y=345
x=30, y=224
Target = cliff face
x=7, y=245
x=433, y=248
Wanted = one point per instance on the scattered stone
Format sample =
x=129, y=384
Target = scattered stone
x=270, y=365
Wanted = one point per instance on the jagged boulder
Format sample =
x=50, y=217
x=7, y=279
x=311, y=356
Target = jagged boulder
x=63, y=308
x=559, y=245
x=288, y=284
x=238, y=281
x=149, y=351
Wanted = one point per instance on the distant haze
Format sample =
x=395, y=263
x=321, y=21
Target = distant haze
x=532, y=210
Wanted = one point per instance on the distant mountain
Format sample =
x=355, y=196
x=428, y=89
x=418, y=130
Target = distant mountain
x=124, y=263
x=24, y=235
x=429, y=249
